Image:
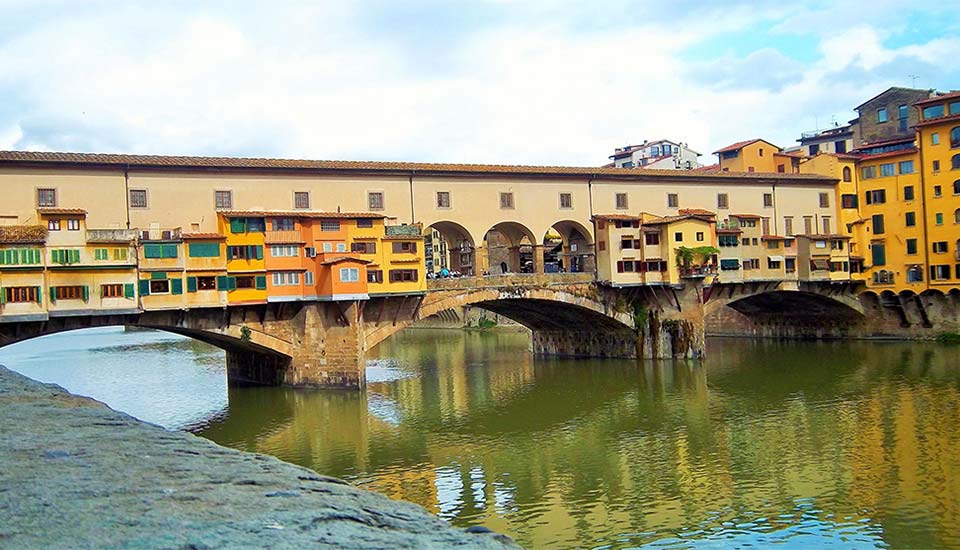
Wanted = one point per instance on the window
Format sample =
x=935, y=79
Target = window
x=729, y=265
x=881, y=115
x=836, y=245
x=566, y=200
x=286, y=278
x=626, y=244
x=365, y=223
x=65, y=256
x=159, y=286
x=911, y=246
x=728, y=240
x=101, y=254
x=935, y=138
x=375, y=200
x=301, y=199
x=955, y=162
x=364, y=248
x=53, y=225
x=773, y=264
x=73, y=225
x=814, y=149
x=20, y=256
x=341, y=247
x=69, y=293
x=788, y=226
x=329, y=225
x=112, y=290
x=807, y=225
x=308, y=278
x=908, y=193
x=46, y=197
x=936, y=166
x=938, y=218
x=781, y=168
x=824, y=200
x=878, y=224
x=404, y=247
x=955, y=107
x=768, y=200
x=939, y=272
x=245, y=282
x=283, y=224
x=621, y=201
x=673, y=200
x=933, y=111
x=374, y=276
x=158, y=251
x=203, y=250
x=138, y=198
x=746, y=242
x=256, y=225
x=877, y=196
x=506, y=200
x=678, y=237
x=878, y=251
x=327, y=247
x=21, y=294
x=765, y=226
x=848, y=201
x=223, y=199
x=443, y=199
x=722, y=200
x=940, y=247
x=956, y=187
x=245, y=252
x=847, y=174
x=888, y=169
x=955, y=137
x=937, y=191
x=403, y=275
x=825, y=223
x=956, y=216
x=906, y=167
x=205, y=283
x=910, y=219
x=773, y=244
x=868, y=172
x=284, y=251
x=700, y=235
x=651, y=239
x=902, y=117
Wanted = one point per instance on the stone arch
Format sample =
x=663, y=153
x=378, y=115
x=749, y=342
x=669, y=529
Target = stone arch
x=800, y=303
x=574, y=253
x=502, y=244
x=451, y=246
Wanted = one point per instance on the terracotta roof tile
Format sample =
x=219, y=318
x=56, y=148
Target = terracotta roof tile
x=745, y=216
x=300, y=214
x=910, y=151
x=204, y=236
x=198, y=163
x=741, y=144
x=696, y=212
x=66, y=211
x=615, y=217
x=938, y=98
x=938, y=120
x=338, y=259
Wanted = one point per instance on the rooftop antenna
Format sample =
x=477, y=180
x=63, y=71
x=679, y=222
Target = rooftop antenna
x=913, y=79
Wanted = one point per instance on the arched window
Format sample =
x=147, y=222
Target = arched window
x=955, y=137
x=955, y=162
x=846, y=174
x=956, y=218
x=956, y=187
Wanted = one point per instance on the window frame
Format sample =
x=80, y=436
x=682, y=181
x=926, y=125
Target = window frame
x=222, y=193
x=138, y=192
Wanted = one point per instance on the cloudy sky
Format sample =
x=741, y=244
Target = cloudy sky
x=492, y=81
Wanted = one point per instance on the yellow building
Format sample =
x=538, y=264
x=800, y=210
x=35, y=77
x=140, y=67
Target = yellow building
x=246, y=278
x=22, y=282
x=823, y=258
x=938, y=133
x=756, y=155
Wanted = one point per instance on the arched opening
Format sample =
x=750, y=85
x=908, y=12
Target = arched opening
x=511, y=248
x=955, y=137
x=955, y=162
x=568, y=248
x=847, y=175
x=787, y=305
x=449, y=249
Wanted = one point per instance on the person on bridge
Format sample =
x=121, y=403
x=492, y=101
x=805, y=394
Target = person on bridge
x=444, y=273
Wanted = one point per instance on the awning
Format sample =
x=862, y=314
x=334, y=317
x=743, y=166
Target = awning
x=820, y=264
x=775, y=258
x=729, y=264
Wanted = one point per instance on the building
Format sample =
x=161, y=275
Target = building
x=938, y=133
x=22, y=278
x=757, y=155
x=887, y=116
x=660, y=155
x=836, y=139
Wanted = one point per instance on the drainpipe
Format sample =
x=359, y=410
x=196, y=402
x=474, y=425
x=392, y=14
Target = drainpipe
x=596, y=263
x=413, y=216
x=923, y=201
x=126, y=191
x=773, y=191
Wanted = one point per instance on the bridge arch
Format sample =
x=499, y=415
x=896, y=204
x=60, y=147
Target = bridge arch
x=806, y=300
x=573, y=253
x=502, y=243
x=456, y=249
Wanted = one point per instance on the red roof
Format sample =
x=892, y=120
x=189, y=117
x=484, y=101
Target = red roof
x=200, y=236
x=938, y=98
x=885, y=142
x=299, y=214
x=613, y=217
x=62, y=211
x=711, y=168
x=745, y=216
x=909, y=151
x=339, y=259
x=938, y=120
x=741, y=144
x=696, y=211
x=774, y=238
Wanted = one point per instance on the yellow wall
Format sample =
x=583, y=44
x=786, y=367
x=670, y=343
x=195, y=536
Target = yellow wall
x=244, y=267
x=947, y=204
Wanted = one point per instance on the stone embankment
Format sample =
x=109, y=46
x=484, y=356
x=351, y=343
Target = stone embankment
x=77, y=474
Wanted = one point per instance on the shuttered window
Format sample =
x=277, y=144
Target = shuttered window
x=204, y=250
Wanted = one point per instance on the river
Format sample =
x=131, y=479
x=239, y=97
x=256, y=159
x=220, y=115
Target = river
x=845, y=445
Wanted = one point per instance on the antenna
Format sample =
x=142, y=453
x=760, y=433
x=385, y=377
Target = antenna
x=913, y=78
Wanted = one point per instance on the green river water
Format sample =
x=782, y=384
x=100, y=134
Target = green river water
x=803, y=445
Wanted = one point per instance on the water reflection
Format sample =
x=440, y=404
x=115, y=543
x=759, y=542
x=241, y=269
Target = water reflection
x=847, y=445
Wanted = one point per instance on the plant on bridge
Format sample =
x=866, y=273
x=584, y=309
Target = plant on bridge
x=699, y=255
x=245, y=334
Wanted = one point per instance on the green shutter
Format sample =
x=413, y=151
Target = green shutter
x=14, y=256
x=128, y=291
x=74, y=256
x=144, y=287
x=168, y=251
x=152, y=251
x=176, y=286
x=3, y=257
x=232, y=283
x=39, y=294
x=223, y=282
x=238, y=225
x=53, y=294
x=54, y=254
x=3, y=296
x=86, y=293
x=191, y=284
x=259, y=252
x=261, y=282
x=158, y=275
x=204, y=250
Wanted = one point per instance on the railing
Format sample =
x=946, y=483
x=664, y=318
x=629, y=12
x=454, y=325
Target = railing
x=698, y=271
x=169, y=234
x=283, y=237
x=403, y=230
x=728, y=225
x=111, y=235
x=510, y=279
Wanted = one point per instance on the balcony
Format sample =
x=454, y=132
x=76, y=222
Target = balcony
x=158, y=234
x=403, y=230
x=292, y=236
x=697, y=271
x=728, y=225
x=111, y=235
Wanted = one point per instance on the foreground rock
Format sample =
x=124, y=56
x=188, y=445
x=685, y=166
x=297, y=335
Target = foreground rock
x=76, y=474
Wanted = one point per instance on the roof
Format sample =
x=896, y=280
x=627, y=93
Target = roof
x=696, y=212
x=938, y=120
x=938, y=98
x=826, y=236
x=406, y=168
x=729, y=230
x=401, y=237
x=62, y=211
x=340, y=259
x=23, y=233
x=774, y=238
x=299, y=214
x=891, y=89
x=741, y=144
x=672, y=219
x=745, y=216
x=872, y=144
x=898, y=152
x=711, y=168
x=201, y=236
x=615, y=217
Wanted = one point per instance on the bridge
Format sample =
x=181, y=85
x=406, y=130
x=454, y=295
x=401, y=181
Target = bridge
x=323, y=344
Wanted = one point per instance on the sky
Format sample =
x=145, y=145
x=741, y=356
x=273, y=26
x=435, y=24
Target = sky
x=543, y=82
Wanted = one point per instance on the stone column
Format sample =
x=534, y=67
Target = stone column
x=538, y=263
x=328, y=347
x=480, y=261
x=513, y=261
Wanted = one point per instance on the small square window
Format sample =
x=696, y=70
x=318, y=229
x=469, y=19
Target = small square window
x=881, y=115
x=53, y=225
x=673, y=200
x=46, y=197
x=566, y=200
x=301, y=199
x=824, y=200
x=768, y=200
x=935, y=139
x=443, y=199
x=138, y=198
x=223, y=199
x=375, y=200
x=621, y=201
x=506, y=200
